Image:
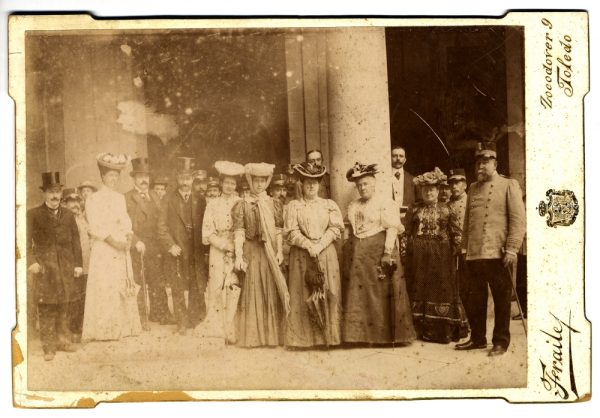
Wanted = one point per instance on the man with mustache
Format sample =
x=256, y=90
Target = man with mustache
x=143, y=207
x=494, y=227
x=180, y=234
x=55, y=262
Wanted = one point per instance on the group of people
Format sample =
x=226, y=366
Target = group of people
x=255, y=258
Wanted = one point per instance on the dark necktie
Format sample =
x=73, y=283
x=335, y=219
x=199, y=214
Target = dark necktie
x=397, y=175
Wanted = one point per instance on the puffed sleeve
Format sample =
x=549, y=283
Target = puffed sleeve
x=278, y=213
x=390, y=216
x=95, y=213
x=208, y=223
x=292, y=232
x=335, y=226
x=124, y=220
x=237, y=216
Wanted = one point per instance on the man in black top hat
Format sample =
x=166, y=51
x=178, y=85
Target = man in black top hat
x=54, y=258
x=494, y=228
x=180, y=234
x=143, y=207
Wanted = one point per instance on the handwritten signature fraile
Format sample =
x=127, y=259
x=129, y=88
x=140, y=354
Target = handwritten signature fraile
x=552, y=373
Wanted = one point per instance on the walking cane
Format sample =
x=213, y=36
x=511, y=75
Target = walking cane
x=510, y=273
x=144, y=290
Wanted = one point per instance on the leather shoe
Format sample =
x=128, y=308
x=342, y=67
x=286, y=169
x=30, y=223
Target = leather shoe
x=48, y=356
x=497, y=350
x=470, y=345
x=67, y=347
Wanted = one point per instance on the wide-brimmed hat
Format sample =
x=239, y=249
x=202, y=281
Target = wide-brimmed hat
x=307, y=170
x=229, y=168
x=360, y=170
x=112, y=161
x=430, y=178
x=140, y=166
x=485, y=150
x=185, y=165
x=457, y=174
x=259, y=169
x=50, y=179
x=70, y=193
x=88, y=184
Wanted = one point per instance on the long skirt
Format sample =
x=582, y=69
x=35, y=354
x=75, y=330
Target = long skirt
x=260, y=312
x=301, y=330
x=218, y=322
x=109, y=313
x=376, y=308
x=438, y=312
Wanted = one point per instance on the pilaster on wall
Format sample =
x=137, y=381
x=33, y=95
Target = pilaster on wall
x=515, y=96
x=307, y=93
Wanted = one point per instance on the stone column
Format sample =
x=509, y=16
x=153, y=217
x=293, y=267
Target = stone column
x=515, y=96
x=358, y=105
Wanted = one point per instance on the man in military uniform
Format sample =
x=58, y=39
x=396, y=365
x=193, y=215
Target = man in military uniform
x=457, y=184
x=278, y=188
x=180, y=234
x=143, y=207
x=494, y=230
x=54, y=257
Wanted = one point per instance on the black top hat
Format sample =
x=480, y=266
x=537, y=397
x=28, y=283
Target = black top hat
x=485, y=150
x=278, y=180
x=70, y=194
x=185, y=165
x=456, y=174
x=50, y=179
x=140, y=165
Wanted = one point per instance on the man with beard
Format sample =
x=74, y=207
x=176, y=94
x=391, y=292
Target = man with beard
x=143, y=208
x=200, y=182
x=494, y=228
x=180, y=234
x=55, y=261
x=73, y=202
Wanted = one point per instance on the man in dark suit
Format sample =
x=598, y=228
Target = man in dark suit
x=180, y=234
x=55, y=261
x=494, y=227
x=143, y=207
x=403, y=188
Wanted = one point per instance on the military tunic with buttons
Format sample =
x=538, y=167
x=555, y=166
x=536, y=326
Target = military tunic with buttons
x=495, y=218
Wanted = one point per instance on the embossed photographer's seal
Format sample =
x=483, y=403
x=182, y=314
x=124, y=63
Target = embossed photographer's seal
x=561, y=209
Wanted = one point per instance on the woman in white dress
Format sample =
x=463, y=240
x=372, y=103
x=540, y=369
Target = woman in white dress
x=111, y=297
x=217, y=231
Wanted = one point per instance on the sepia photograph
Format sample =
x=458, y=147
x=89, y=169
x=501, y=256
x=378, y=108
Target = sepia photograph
x=251, y=207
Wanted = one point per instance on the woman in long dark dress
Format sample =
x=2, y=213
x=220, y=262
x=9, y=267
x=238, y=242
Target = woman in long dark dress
x=376, y=304
x=257, y=224
x=434, y=237
x=312, y=224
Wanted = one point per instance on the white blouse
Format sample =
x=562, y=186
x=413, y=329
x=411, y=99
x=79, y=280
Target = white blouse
x=370, y=217
x=106, y=213
x=310, y=221
x=217, y=217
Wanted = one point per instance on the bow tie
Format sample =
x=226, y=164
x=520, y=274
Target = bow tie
x=144, y=196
